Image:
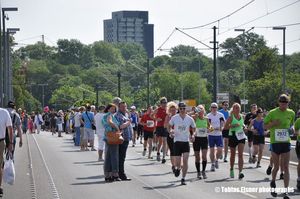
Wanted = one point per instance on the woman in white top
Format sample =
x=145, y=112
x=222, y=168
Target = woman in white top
x=38, y=121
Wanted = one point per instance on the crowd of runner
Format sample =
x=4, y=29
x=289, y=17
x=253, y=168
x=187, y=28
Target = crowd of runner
x=169, y=128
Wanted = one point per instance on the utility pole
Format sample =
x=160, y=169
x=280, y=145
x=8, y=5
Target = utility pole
x=148, y=83
x=119, y=84
x=215, y=65
x=199, y=81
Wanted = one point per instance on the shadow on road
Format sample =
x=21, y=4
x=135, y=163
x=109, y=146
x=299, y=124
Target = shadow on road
x=259, y=181
x=220, y=180
x=91, y=177
x=162, y=187
x=156, y=174
x=141, y=165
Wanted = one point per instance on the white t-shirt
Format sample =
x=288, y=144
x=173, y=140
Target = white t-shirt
x=5, y=121
x=182, y=127
x=217, y=121
x=98, y=122
x=77, y=119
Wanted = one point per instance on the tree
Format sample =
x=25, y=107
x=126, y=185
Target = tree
x=69, y=51
x=131, y=49
x=106, y=53
x=38, y=51
x=183, y=50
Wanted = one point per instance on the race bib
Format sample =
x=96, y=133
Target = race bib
x=182, y=129
x=150, y=123
x=240, y=135
x=281, y=135
x=201, y=132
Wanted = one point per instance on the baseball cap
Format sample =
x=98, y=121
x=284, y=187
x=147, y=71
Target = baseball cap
x=133, y=107
x=181, y=105
x=11, y=104
x=284, y=98
x=214, y=105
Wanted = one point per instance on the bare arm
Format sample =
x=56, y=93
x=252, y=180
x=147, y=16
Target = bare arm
x=111, y=123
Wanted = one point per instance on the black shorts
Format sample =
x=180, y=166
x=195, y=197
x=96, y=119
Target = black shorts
x=140, y=129
x=250, y=136
x=258, y=139
x=298, y=149
x=200, y=143
x=161, y=131
x=170, y=142
x=135, y=128
x=225, y=133
x=181, y=147
x=280, y=148
x=148, y=134
x=233, y=141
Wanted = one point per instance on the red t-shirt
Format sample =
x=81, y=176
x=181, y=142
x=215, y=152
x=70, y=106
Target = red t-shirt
x=161, y=113
x=150, y=123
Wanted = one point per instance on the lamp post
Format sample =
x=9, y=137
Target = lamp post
x=4, y=65
x=283, y=64
x=8, y=72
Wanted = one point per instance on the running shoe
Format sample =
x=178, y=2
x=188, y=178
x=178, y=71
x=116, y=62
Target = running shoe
x=231, y=173
x=281, y=176
x=93, y=149
x=298, y=185
x=199, y=175
x=258, y=165
x=1, y=192
x=204, y=174
x=254, y=159
x=250, y=160
x=273, y=185
x=221, y=157
x=269, y=170
x=241, y=176
x=212, y=168
x=225, y=160
x=144, y=152
x=177, y=172
x=163, y=161
x=133, y=145
x=183, y=182
x=158, y=157
x=217, y=164
x=286, y=195
x=173, y=169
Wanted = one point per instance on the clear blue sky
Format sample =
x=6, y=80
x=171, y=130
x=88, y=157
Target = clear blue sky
x=83, y=20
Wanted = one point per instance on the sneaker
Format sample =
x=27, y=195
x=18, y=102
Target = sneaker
x=273, y=185
x=150, y=157
x=241, y=176
x=254, y=159
x=158, y=157
x=93, y=149
x=217, y=164
x=269, y=170
x=231, y=173
x=177, y=172
x=173, y=169
x=250, y=160
x=116, y=178
x=1, y=192
x=212, y=168
x=281, y=176
x=204, y=174
x=144, y=152
x=183, y=182
x=286, y=195
x=221, y=157
x=298, y=185
x=225, y=160
x=133, y=145
x=163, y=161
x=258, y=165
x=199, y=175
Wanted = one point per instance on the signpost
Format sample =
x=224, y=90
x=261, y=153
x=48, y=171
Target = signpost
x=221, y=97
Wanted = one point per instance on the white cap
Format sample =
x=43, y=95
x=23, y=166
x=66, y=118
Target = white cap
x=132, y=107
x=214, y=104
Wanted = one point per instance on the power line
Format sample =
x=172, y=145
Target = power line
x=218, y=20
x=193, y=38
x=165, y=40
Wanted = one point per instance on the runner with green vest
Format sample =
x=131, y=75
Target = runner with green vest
x=201, y=141
x=279, y=121
x=237, y=137
x=297, y=130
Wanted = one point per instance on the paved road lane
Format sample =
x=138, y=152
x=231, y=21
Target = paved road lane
x=60, y=170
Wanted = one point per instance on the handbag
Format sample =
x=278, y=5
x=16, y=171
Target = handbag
x=114, y=137
x=9, y=174
x=93, y=126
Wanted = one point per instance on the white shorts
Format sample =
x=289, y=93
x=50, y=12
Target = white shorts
x=60, y=127
x=88, y=134
x=101, y=143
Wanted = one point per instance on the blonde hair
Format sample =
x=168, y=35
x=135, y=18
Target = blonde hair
x=233, y=105
x=200, y=106
x=170, y=105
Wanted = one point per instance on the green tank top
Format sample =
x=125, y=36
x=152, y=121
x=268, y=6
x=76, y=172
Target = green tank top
x=236, y=121
x=201, y=123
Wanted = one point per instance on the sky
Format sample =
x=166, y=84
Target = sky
x=83, y=20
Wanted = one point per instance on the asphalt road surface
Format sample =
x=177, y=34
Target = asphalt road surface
x=49, y=167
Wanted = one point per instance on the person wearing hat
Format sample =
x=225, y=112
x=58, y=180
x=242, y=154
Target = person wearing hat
x=134, y=116
x=180, y=125
x=257, y=127
x=279, y=121
x=297, y=130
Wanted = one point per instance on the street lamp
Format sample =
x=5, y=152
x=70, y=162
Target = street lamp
x=8, y=72
x=283, y=64
x=3, y=67
x=244, y=73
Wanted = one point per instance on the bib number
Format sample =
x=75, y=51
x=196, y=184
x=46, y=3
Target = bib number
x=281, y=135
x=150, y=123
x=240, y=135
x=181, y=129
x=201, y=132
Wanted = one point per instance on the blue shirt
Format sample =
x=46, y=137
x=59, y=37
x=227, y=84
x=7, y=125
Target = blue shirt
x=88, y=120
x=259, y=126
x=225, y=113
x=123, y=118
x=108, y=127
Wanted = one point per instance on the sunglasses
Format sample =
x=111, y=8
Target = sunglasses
x=213, y=107
x=182, y=108
x=283, y=102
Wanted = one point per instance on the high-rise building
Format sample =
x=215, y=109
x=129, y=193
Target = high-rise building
x=130, y=26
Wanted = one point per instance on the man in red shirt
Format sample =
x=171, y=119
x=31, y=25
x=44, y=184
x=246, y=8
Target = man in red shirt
x=161, y=133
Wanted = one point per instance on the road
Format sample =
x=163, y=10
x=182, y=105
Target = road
x=49, y=167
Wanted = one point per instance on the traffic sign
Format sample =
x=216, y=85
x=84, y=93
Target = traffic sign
x=244, y=101
x=221, y=97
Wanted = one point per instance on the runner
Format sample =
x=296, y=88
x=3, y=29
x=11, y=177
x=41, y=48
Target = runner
x=201, y=141
x=216, y=120
x=148, y=123
x=171, y=111
x=182, y=123
x=225, y=132
x=279, y=121
x=161, y=133
x=297, y=130
x=134, y=123
x=249, y=117
x=237, y=138
x=257, y=127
